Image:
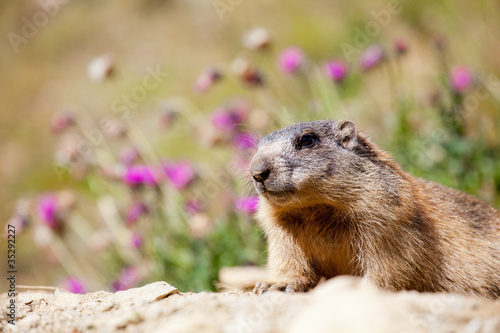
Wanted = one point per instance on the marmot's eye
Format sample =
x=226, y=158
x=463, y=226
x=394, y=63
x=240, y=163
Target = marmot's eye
x=307, y=140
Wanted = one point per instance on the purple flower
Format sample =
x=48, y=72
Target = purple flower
x=141, y=175
x=461, y=79
x=247, y=205
x=244, y=141
x=180, y=174
x=238, y=114
x=192, y=206
x=291, y=59
x=47, y=210
x=61, y=121
x=233, y=113
x=223, y=120
x=207, y=79
x=127, y=279
x=336, y=70
x=74, y=285
x=227, y=119
x=128, y=155
x=136, y=240
x=135, y=212
x=371, y=57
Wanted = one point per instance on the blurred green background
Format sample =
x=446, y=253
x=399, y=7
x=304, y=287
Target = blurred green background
x=406, y=104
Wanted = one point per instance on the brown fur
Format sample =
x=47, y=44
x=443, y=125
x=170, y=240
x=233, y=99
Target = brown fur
x=344, y=206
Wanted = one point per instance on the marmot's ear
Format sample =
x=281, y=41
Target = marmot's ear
x=346, y=133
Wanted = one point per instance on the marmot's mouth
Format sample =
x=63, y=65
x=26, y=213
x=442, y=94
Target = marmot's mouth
x=279, y=197
x=267, y=190
x=279, y=193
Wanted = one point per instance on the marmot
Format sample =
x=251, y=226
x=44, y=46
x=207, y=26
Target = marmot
x=333, y=203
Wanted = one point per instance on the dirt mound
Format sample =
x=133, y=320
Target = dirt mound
x=343, y=304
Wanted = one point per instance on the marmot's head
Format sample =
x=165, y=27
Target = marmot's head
x=311, y=163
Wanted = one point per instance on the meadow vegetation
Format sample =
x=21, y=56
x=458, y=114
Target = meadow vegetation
x=127, y=139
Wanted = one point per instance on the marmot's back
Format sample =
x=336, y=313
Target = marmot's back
x=469, y=233
x=332, y=202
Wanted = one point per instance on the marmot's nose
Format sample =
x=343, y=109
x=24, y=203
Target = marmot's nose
x=261, y=176
x=260, y=171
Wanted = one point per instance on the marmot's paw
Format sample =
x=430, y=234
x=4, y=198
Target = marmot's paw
x=263, y=287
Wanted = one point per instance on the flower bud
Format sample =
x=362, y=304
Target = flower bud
x=336, y=70
x=47, y=210
x=246, y=71
x=257, y=39
x=371, y=57
x=129, y=155
x=192, y=206
x=61, y=121
x=127, y=279
x=180, y=174
x=74, y=285
x=136, y=175
x=135, y=212
x=207, y=79
x=291, y=59
x=100, y=68
x=247, y=205
x=244, y=141
x=136, y=240
x=461, y=79
x=400, y=46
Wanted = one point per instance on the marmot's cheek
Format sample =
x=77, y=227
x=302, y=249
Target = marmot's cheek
x=272, y=185
x=299, y=178
x=283, y=182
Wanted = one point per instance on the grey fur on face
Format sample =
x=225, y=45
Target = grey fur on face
x=300, y=157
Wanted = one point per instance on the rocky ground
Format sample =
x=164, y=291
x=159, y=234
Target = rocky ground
x=343, y=304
